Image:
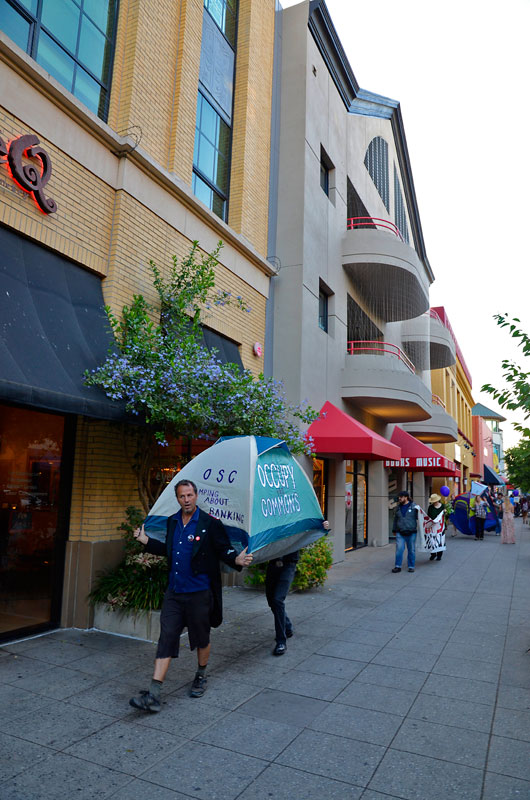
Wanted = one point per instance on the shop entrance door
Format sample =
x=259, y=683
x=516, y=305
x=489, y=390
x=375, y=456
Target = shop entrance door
x=33, y=519
x=356, y=523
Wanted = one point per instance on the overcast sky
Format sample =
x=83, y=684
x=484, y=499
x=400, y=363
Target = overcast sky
x=460, y=72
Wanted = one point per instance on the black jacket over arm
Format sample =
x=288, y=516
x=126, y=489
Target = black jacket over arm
x=211, y=545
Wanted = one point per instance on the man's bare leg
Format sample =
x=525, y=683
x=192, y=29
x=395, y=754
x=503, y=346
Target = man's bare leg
x=161, y=668
x=203, y=654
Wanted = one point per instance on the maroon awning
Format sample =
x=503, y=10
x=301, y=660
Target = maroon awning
x=419, y=457
x=335, y=433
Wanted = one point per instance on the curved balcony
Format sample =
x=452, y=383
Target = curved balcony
x=380, y=378
x=387, y=273
x=441, y=427
x=443, y=348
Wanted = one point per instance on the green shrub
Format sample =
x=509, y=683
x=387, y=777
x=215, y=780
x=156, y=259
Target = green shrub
x=138, y=583
x=311, y=570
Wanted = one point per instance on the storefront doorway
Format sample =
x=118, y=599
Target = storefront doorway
x=356, y=523
x=34, y=501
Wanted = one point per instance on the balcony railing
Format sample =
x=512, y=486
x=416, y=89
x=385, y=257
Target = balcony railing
x=354, y=223
x=373, y=347
x=437, y=401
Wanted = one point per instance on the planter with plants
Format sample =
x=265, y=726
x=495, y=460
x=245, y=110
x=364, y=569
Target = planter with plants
x=311, y=571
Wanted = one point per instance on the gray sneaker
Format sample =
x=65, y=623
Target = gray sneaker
x=145, y=702
x=198, y=687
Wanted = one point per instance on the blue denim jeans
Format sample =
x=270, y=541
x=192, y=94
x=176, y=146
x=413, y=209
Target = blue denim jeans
x=410, y=541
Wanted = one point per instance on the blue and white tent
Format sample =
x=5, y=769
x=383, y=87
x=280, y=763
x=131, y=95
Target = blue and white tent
x=256, y=488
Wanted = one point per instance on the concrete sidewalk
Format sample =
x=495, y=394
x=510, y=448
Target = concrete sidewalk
x=410, y=686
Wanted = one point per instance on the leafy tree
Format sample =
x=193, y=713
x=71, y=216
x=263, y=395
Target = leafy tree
x=515, y=396
x=176, y=387
x=518, y=464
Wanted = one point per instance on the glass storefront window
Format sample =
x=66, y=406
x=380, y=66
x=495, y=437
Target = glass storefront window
x=356, y=500
x=31, y=542
x=320, y=479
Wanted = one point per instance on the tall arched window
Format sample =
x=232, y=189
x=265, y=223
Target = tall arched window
x=400, y=214
x=376, y=162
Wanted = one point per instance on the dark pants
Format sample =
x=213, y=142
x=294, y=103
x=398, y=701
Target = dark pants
x=479, y=527
x=277, y=584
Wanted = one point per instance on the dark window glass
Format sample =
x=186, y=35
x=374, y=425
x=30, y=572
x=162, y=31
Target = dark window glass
x=324, y=178
x=14, y=25
x=323, y=311
x=399, y=208
x=224, y=12
x=73, y=41
x=376, y=162
x=211, y=157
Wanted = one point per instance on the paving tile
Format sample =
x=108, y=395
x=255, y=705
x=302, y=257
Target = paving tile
x=509, y=757
x=380, y=624
x=449, y=711
x=482, y=652
x=285, y=783
x=111, y=698
x=417, y=777
x=126, y=747
x=416, y=644
x=57, y=683
x=383, y=675
x=63, y=777
x=512, y=724
x=324, y=754
x=501, y=787
x=329, y=665
x=461, y=688
x=54, y=651
x=365, y=725
x=206, y=772
x=354, y=651
x=57, y=725
x=227, y=694
x=15, y=702
x=309, y=684
x=252, y=736
x=274, y=705
x=423, y=662
x=514, y=697
x=255, y=672
x=179, y=716
x=140, y=790
x=377, y=698
x=17, y=755
x=15, y=667
x=363, y=636
x=443, y=742
x=467, y=668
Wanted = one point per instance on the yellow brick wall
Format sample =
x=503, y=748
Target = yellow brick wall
x=103, y=482
x=81, y=227
x=155, y=78
x=138, y=236
x=249, y=176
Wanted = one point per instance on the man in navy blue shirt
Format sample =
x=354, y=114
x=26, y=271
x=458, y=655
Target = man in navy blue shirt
x=195, y=543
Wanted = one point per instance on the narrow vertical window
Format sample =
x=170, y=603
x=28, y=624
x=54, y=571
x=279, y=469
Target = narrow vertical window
x=376, y=162
x=326, y=171
x=400, y=215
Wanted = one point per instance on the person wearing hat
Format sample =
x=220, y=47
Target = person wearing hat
x=435, y=508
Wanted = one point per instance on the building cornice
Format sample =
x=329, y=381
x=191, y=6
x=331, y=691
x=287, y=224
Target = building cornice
x=124, y=147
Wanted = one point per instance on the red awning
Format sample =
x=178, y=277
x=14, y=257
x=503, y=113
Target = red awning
x=335, y=433
x=419, y=457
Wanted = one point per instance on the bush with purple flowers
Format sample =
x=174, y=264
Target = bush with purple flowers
x=176, y=386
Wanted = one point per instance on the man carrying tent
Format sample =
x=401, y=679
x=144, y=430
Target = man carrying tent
x=194, y=546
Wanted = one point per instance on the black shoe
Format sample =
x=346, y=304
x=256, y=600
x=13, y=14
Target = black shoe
x=433, y=556
x=289, y=634
x=411, y=569
x=198, y=687
x=396, y=569
x=145, y=702
x=279, y=650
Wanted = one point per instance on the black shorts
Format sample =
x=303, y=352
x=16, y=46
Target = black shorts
x=189, y=610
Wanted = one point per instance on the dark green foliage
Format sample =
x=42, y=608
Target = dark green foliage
x=311, y=570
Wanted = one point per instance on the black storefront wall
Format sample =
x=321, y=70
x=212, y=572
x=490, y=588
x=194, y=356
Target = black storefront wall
x=52, y=327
